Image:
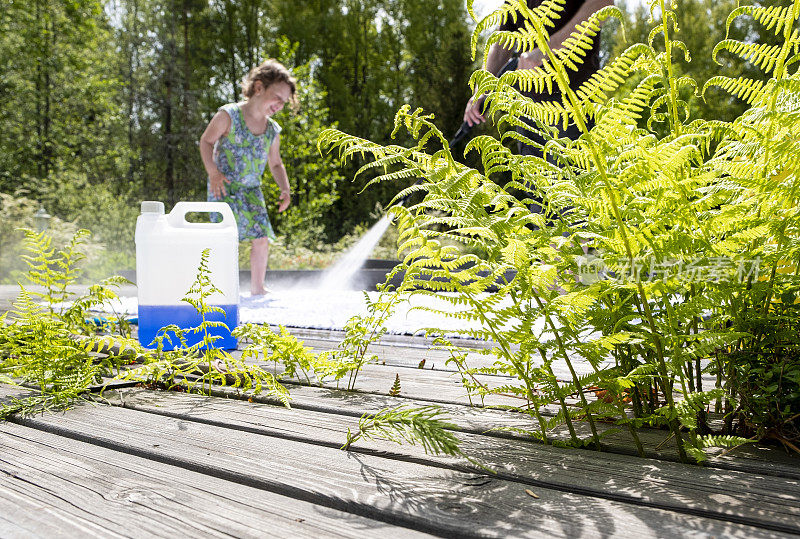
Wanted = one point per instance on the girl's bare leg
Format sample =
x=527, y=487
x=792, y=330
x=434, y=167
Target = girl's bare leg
x=259, y=254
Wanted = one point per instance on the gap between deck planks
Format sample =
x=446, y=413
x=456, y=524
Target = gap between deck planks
x=57, y=486
x=426, y=387
x=421, y=387
x=723, y=495
x=427, y=498
x=416, y=348
x=486, y=421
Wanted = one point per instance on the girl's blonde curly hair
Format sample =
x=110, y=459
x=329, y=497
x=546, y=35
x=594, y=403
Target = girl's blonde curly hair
x=269, y=73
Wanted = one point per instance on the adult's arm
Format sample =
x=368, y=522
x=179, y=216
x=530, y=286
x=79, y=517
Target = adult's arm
x=498, y=55
x=531, y=59
x=279, y=173
x=496, y=58
x=218, y=127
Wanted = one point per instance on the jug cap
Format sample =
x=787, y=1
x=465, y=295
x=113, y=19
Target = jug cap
x=152, y=206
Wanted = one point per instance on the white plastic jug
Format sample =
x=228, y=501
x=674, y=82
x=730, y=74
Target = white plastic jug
x=168, y=254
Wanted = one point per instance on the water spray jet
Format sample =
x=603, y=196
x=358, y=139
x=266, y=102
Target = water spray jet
x=340, y=275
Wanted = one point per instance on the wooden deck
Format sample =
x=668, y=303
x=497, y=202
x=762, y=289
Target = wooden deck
x=142, y=463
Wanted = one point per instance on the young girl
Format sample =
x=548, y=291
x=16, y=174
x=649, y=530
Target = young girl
x=235, y=147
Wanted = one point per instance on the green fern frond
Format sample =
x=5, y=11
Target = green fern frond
x=614, y=74
x=680, y=45
x=538, y=79
x=697, y=448
x=622, y=116
x=726, y=441
x=519, y=111
x=496, y=18
x=762, y=55
x=347, y=146
x=572, y=51
x=669, y=21
x=748, y=90
x=770, y=17
x=422, y=425
x=573, y=305
x=536, y=21
x=53, y=269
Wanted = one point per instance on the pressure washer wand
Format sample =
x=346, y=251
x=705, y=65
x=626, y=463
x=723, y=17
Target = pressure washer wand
x=465, y=128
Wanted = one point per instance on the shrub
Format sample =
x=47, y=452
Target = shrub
x=109, y=215
x=52, y=344
x=693, y=225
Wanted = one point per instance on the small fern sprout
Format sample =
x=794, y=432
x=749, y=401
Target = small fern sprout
x=395, y=389
x=361, y=331
x=423, y=425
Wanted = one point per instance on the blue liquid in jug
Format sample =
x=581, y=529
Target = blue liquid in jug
x=153, y=317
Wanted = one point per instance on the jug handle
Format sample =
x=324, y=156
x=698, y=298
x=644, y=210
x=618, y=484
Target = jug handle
x=177, y=217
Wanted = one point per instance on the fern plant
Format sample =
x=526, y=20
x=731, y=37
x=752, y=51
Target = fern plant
x=296, y=361
x=680, y=211
x=48, y=344
x=347, y=360
x=362, y=330
x=53, y=269
x=290, y=358
x=758, y=161
x=199, y=366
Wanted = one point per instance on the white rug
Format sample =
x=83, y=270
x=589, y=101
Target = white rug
x=317, y=309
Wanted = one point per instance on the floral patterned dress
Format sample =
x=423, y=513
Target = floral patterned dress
x=242, y=157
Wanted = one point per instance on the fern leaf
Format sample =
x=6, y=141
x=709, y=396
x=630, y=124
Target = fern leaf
x=761, y=55
x=770, y=17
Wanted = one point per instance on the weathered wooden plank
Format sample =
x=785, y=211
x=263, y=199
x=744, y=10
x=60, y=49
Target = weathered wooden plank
x=419, y=341
x=423, y=384
x=423, y=497
x=9, y=393
x=54, y=486
x=443, y=388
x=397, y=353
x=427, y=384
x=409, y=351
x=736, y=496
x=23, y=518
x=749, y=458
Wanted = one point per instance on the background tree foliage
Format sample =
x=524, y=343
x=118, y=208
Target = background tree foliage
x=701, y=24
x=58, y=92
x=102, y=102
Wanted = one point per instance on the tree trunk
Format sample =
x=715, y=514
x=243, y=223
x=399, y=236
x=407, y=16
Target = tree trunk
x=169, y=81
x=169, y=171
x=133, y=66
x=232, y=75
x=185, y=98
x=50, y=48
